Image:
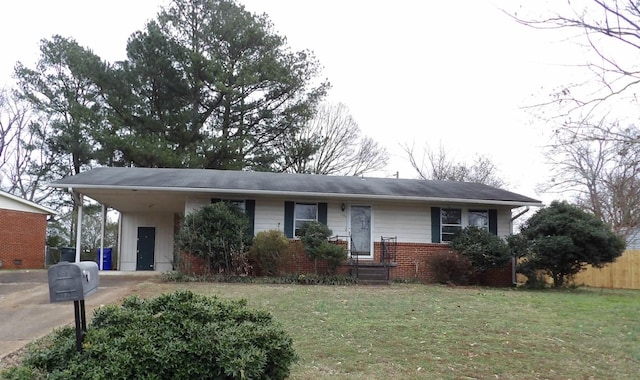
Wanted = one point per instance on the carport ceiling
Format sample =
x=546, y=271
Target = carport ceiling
x=137, y=200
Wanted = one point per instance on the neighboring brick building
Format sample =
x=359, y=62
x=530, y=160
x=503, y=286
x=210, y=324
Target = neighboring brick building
x=23, y=233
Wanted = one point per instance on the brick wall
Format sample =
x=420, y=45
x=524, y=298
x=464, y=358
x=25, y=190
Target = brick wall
x=411, y=264
x=192, y=264
x=22, y=239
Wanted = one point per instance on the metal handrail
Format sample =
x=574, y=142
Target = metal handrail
x=388, y=251
x=389, y=248
x=343, y=238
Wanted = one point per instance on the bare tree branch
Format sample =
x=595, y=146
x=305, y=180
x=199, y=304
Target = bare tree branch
x=602, y=173
x=439, y=166
x=332, y=143
x=610, y=32
x=26, y=163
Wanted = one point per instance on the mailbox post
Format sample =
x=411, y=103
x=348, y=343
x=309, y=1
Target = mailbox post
x=74, y=282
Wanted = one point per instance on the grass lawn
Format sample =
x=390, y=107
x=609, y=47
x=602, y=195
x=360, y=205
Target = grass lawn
x=437, y=332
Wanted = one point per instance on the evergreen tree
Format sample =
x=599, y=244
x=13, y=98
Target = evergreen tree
x=561, y=239
x=208, y=85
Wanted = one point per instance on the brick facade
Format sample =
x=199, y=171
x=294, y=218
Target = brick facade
x=22, y=239
x=412, y=263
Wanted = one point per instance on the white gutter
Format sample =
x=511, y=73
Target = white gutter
x=307, y=194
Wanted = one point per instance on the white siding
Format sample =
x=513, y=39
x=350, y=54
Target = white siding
x=163, y=222
x=337, y=219
x=7, y=203
x=269, y=215
x=504, y=222
x=195, y=202
x=410, y=223
x=633, y=239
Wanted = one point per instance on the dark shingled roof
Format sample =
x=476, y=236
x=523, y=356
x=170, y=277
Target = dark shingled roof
x=228, y=181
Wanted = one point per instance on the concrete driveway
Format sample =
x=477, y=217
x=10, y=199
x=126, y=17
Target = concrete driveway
x=26, y=313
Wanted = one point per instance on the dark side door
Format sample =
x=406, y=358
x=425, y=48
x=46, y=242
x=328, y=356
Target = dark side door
x=146, y=248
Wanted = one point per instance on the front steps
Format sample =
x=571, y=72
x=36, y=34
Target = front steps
x=371, y=273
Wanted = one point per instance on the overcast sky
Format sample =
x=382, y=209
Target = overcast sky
x=411, y=72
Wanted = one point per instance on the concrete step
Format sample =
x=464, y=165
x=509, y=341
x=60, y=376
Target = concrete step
x=371, y=275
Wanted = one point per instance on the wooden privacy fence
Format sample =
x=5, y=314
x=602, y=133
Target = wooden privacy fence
x=624, y=273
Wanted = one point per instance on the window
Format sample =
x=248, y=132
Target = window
x=451, y=222
x=304, y=212
x=248, y=207
x=479, y=218
x=239, y=204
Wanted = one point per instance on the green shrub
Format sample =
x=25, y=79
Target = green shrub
x=268, y=252
x=216, y=232
x=174, y=336
x=333, y=254
x=483, y=249
x=314, y=237
x=561, y=239
x=451, y=267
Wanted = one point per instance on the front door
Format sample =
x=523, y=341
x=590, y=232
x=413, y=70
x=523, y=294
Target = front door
x=361, y=231
x=146, y=248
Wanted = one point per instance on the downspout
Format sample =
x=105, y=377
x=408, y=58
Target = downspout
x=514, y=280
x=526, y=210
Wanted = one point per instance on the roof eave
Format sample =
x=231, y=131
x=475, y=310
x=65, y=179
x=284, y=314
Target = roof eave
x=345, y=196
x=45, y=210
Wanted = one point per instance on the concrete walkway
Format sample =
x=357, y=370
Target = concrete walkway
x=26, y=313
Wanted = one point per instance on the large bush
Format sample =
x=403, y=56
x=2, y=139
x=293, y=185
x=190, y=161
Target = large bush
x=561, y=239
x=216, y=232
x=451, y=268
x=314, y=237
x=268, y=251
x=173, y=336
x=483, y=249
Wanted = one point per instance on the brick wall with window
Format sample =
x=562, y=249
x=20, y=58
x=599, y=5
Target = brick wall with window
x=22, y=239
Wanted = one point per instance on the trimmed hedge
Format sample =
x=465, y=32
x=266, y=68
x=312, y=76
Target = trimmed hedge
x=291, y=278
x=174, y=336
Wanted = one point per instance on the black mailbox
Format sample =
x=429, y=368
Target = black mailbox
x=72, y=281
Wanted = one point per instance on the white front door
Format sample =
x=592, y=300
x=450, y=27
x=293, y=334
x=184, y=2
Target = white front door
x=360, y=223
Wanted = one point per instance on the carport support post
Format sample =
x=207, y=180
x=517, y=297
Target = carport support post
x=101, y=255
x=78, y=199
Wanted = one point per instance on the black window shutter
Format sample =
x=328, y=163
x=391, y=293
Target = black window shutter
x=435, y=225
x=493, y=221
x=289, y=208
x=250, y=210
x=322, y=213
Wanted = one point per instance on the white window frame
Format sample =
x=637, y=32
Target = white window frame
x=240, y=203
x=471, y=211
x=443, y=225
x=303, y=220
